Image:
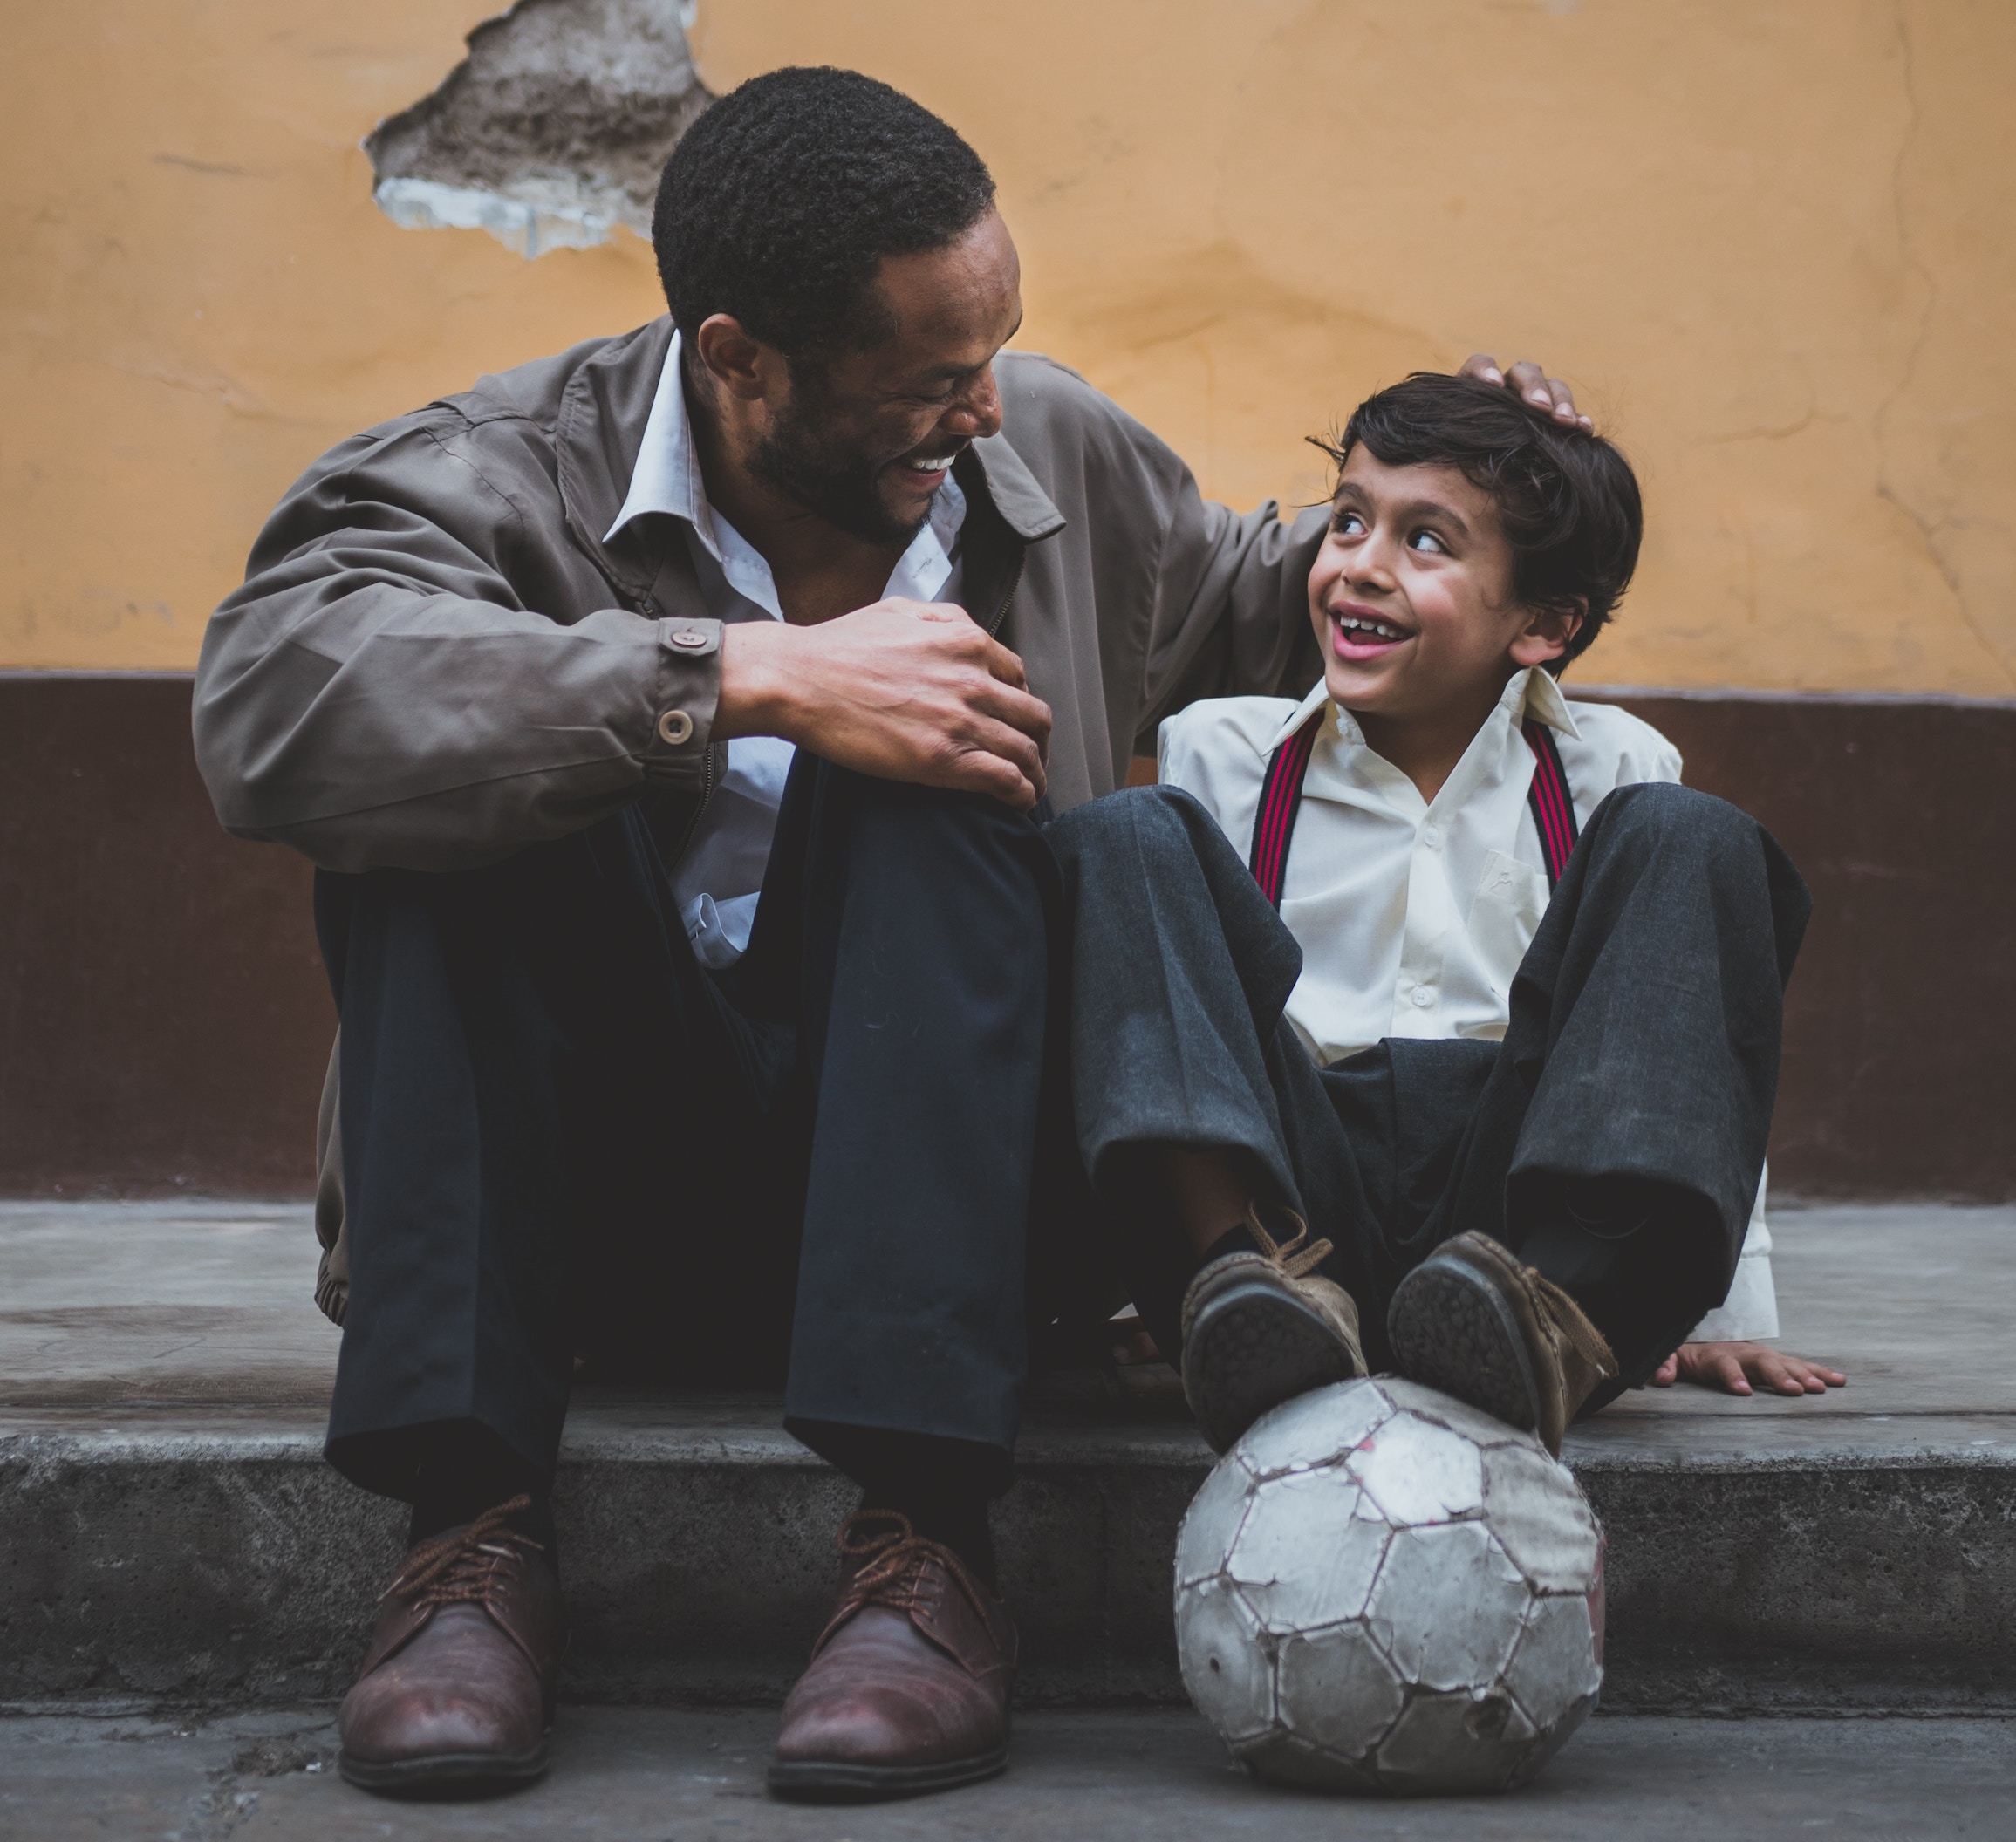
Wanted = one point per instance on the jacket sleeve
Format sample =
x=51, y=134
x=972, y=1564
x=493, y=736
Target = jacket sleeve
x=1231, y=597
x=377, y=694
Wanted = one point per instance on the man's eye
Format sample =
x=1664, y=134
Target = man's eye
x=1428, y=542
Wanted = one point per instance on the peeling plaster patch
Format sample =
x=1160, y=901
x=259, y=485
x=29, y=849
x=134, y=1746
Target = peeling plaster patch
x=552, y=132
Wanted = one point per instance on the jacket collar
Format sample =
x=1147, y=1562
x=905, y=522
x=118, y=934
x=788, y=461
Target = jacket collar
x=1025, y=507
x=604, y=409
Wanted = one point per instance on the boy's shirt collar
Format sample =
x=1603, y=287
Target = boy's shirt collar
x=1534, y=694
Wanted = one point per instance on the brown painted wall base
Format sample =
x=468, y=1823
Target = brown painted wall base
x=163, y=1018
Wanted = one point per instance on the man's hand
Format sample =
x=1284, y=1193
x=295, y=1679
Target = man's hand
x=1527, y=379
x=905, y=690
x=1735, y=1366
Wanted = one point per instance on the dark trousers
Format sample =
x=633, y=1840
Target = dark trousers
x=562, y=1135
x=1640, y=1061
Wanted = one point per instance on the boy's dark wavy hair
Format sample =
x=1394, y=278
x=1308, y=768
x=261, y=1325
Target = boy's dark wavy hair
x=1568, y=502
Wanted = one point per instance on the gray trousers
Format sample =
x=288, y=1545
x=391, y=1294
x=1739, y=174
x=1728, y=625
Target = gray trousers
x=1641, y=1058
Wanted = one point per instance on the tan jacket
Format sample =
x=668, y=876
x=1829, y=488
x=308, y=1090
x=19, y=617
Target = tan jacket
x=436, y=660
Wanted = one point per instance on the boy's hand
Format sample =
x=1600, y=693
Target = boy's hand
x=1529, y=380
x=1733, y=1367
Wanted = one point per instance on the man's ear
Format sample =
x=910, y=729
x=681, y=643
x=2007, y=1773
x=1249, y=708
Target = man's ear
x=735, y=360
x=1549, y=632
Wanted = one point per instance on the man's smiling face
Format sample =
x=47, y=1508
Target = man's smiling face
x=868, y=437
x=1411, y=593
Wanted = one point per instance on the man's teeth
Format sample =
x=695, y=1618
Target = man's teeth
x=1377, y=629
x=932, y=467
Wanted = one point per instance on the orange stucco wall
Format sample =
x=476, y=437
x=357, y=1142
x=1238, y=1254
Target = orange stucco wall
x=1774, y=247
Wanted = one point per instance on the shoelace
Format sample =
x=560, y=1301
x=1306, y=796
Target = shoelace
x=455, y=1568
x=887, y=1557
x=1294, y=1258
x=1561, y=1311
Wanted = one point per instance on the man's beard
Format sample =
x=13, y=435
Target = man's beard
x=825, y=475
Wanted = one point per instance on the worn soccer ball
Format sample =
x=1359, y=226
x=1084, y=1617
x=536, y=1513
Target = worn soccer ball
x=1381, y=1589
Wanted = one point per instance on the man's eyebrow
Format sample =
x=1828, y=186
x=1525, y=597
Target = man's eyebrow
x=951, y=372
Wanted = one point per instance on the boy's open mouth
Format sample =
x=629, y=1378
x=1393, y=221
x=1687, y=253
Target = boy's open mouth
x=1358, y=635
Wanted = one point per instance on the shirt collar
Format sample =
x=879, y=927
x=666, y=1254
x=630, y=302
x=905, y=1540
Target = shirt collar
x=1533, y=693
x=667, y=478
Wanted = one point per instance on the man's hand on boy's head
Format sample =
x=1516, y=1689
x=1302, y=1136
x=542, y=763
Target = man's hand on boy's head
x=1527, y=379
x=1733, y=1367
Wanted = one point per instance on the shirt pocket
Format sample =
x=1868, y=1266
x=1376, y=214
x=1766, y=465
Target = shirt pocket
x=1504, y=916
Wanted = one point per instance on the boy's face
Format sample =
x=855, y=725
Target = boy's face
x=1412, y=595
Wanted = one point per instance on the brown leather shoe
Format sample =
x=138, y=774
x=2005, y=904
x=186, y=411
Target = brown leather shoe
x=1260, y=1328
x=908, y=1687
x=456, y=1691
x=1476, y=1323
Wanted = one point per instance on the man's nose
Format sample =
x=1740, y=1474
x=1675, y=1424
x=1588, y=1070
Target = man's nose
x=976, y=414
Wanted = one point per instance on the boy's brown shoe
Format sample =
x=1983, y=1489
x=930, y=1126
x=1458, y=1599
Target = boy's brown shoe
x=1476, y=1323
x=1260, y=1328
x=456, y=1691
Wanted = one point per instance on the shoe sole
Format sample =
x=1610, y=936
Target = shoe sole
x=445, y=1774
x=834, y=1781
x=1450, y=1330
x=1250, y=1347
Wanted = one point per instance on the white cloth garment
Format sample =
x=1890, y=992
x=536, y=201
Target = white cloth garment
x=1413, y=915
x=720, y=876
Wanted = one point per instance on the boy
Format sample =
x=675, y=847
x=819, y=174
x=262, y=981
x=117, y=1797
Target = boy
x=1520, y=1085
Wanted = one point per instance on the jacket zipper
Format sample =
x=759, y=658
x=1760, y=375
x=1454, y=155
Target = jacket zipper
x=1015, y=582
x=699, y=805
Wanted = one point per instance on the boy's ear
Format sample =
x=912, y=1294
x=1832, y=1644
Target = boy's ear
x=1549, y=632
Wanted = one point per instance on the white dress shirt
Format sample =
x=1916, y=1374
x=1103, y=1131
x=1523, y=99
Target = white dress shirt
x=1414, y=914
x=720, y=876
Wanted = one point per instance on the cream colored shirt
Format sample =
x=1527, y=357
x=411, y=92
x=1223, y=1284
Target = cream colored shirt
x=1414, y=914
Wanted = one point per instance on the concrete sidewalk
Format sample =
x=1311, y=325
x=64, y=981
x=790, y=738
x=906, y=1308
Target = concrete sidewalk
x=171, y=1534
x=659, y=1775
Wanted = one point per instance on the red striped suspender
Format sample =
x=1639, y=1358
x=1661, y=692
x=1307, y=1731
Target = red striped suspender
x=1553, y=805
x=1281, y=797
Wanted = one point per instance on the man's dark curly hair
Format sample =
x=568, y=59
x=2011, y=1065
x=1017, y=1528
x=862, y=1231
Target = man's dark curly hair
x=780, y=202
x=1568, y=502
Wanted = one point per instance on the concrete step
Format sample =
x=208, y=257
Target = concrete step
x=171, y=1535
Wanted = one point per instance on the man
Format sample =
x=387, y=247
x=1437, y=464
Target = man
x=807, y=593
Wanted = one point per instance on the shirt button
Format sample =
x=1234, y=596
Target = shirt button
x=1423, y=996
x=686, y=637
x=675, y=727
x=1431, y=838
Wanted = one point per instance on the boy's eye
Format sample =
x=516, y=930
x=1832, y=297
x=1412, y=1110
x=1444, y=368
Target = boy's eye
x=1428, y=542
x=1347, y=524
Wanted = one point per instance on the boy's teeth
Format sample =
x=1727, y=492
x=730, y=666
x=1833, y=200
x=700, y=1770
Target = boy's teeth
x=1377, y=629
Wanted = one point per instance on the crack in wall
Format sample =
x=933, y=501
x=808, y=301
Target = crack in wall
x=1934, y=525
x=552, y=131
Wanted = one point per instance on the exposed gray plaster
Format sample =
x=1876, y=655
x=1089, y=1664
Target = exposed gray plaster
x=552, y=130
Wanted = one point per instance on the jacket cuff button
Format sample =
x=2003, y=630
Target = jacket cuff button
x=675, y=728
x=687, y=637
